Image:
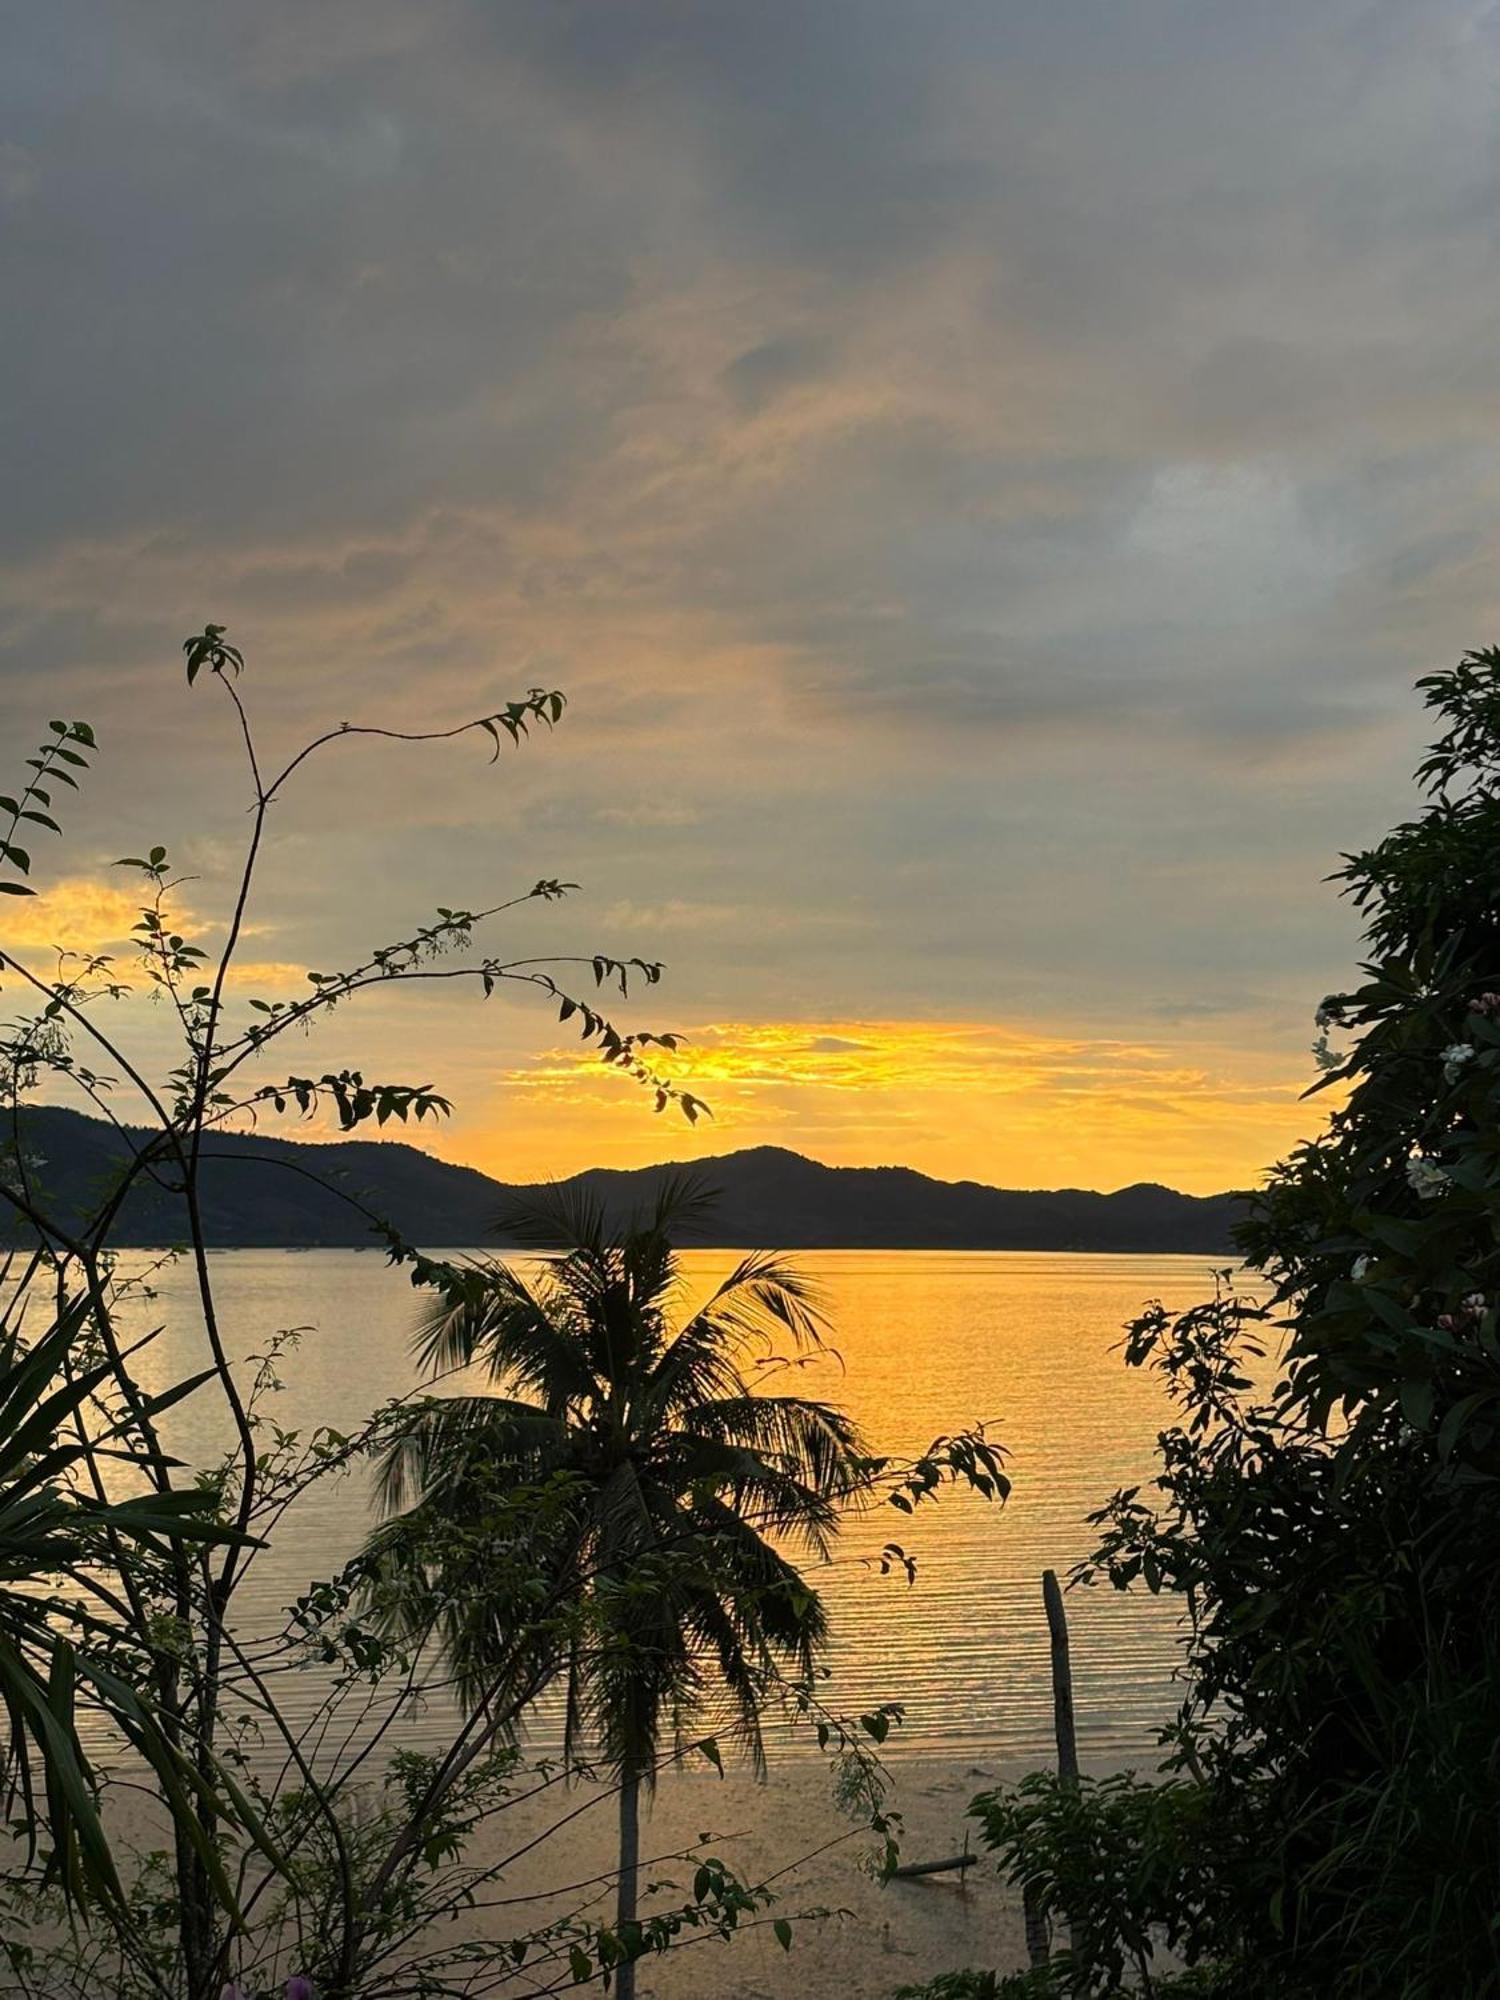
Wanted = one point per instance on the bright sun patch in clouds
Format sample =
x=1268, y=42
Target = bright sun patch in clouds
x=987, y=564
x=78, y=913
x=90, y=915
x=1008, y=1104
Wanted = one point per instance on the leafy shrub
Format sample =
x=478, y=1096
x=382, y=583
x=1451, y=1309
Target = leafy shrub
x=1127, y=1866
x=1327, y=1828
x=1050, y=1983
x=1336, y=1547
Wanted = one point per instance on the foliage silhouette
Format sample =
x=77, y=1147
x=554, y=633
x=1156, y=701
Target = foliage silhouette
x=1332, y=1538
x=326, y=1850
x=685, y=1485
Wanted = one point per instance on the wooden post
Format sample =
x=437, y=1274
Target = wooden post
x=1038, y=1933
x=1062, y=1680
x=1062, y=1707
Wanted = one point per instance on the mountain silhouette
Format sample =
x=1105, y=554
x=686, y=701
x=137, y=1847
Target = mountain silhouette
x=273, y=1192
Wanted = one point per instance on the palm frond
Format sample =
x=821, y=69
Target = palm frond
x=767, y=1497
x=768, y=1598
x=557, y=1215
x=680, y=1480
x=758, y=1617
x=743, y=1681
x=767, y=1289
x=643, y=1670
x=627, y=1523
x=764, y=1300
x=452, y=1442
x=480, y=1609
x=684, y=1200
x=519, y=1332
x=816, y=1443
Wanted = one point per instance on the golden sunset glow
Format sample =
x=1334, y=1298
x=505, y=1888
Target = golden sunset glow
x=981, y=622
x=705, y=701
x=95, y=916
x=960, y=1100
x=76, y=913
x=1014, y=1104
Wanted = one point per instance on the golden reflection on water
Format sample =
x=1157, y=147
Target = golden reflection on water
x=930, y=1343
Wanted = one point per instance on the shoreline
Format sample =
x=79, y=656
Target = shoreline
x=853, y=1938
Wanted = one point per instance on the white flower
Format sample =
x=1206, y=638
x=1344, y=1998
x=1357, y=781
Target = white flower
x=1361, y=1269
x=1322, y=1055
x=1455, y=1056
x=1425, y=1177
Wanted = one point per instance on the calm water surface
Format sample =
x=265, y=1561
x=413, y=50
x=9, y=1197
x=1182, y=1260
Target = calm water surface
x=931, y=1342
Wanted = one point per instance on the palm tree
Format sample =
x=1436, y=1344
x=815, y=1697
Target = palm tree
x=686, y=1495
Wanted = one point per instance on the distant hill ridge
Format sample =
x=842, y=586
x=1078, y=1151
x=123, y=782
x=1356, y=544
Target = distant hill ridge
x=270, y=1192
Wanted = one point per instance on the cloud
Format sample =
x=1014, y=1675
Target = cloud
x=91, y=915
x=961, y=1099
x=986, y=475
x=278, y=977
x=757, y=377
x=648, y=813
x=18, y=175
x=75, y=913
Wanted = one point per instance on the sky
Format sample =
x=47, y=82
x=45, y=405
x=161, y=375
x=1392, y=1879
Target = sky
x=986, y=477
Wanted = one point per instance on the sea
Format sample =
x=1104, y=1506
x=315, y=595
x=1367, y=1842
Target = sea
x=927, y=1344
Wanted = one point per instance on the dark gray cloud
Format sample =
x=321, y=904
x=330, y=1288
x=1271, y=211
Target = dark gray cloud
x=984, y=470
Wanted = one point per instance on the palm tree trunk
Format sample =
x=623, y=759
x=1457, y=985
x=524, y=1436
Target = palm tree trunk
x=630, y=1862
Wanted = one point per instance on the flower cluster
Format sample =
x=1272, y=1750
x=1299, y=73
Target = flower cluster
x=1425, y=1177
x=1467, y=1314
x=1487, y=1004
x=1456, y=1058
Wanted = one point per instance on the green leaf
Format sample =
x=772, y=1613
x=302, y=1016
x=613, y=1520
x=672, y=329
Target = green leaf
x=783, y=1931
x=1416, y=1401
x=1405, y=1238
x=1454, y=1419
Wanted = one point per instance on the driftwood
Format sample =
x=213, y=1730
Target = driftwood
x=912, y=1869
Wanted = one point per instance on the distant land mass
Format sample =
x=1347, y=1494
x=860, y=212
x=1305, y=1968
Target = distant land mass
x=283, y=1193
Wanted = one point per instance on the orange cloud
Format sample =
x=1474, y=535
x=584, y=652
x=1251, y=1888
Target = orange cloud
x=77, y=913
x=87, y=914
x=277, y=977
x=1009, y=1104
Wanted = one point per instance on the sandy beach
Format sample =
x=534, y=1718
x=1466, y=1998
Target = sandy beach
x=868, y=1940
x=887, y=1935
x=872, y=1940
